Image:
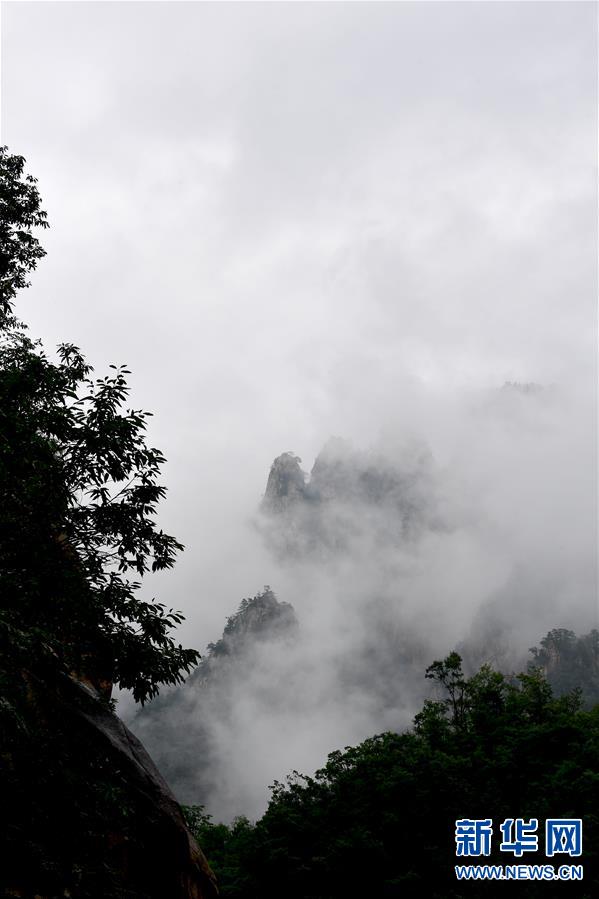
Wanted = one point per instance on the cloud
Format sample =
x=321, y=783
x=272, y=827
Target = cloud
x=294, y=221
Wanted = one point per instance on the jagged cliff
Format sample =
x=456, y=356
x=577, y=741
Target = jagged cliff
x=349, y=497
x=286, y=483
x=179, y=728
x=261, y=618
x=86, y=812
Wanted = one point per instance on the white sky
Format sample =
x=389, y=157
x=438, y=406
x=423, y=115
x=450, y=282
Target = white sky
x=297, y=220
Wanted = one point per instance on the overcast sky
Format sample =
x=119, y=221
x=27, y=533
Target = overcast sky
x=299, y=220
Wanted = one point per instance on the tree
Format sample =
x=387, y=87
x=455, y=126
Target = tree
x=448, y=673
x=20, y=213
x=569, y=662
x=79, y=497
x=379, y=818
x=83, y=814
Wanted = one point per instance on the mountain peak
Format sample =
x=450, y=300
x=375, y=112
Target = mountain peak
x=286, y=483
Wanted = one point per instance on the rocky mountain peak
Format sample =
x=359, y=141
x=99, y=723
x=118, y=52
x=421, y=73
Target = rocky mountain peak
x=286, y=483
x=352, y=498
x=262, y=617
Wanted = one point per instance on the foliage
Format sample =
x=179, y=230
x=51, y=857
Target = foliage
x=378, y=818
x=261, y=615
x=570, y=662
x=232, y=850
x=80, y=491
x=20, y=213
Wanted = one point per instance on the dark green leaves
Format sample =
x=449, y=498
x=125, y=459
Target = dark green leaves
x=20, y=214
x=79, y=493
x=378, y=819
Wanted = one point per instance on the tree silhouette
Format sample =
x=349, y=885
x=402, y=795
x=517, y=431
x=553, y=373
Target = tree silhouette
x=79, y=497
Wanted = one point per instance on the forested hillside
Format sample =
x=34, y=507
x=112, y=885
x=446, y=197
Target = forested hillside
x=378, y=819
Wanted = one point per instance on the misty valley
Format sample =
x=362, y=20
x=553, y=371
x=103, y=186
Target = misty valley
x=298, y=451
x=265, y=691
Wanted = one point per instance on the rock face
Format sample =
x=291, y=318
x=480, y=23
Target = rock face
x=262, y=618
x=183, y=728
x=286, y=483
x=349, y=497
x=141, y=849
x=171, y=863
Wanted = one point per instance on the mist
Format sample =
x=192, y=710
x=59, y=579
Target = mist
x=484, y=545
x=303, y=221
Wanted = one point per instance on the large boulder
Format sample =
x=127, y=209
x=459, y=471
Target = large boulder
x=88, y=813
